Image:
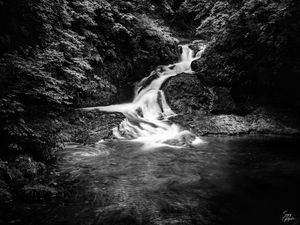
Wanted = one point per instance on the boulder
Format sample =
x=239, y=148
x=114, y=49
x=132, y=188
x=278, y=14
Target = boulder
x=28, y=167
x=260, y=121
x=185, y=93
x=38, y=192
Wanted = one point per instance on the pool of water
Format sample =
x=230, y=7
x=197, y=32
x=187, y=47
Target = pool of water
x=227, y=180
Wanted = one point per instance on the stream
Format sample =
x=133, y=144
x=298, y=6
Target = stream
x=227, y=180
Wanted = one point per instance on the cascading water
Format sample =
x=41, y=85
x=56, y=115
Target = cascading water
x=147, y=115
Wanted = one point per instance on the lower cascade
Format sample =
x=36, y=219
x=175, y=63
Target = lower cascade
x=147, y=116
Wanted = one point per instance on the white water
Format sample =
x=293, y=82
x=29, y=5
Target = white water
x=147, y=115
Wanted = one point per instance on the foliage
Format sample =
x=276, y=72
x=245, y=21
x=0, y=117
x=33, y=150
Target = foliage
x=252, y=49
x=59, y=55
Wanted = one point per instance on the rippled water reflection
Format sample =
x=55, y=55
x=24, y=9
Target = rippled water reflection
x=238, y=180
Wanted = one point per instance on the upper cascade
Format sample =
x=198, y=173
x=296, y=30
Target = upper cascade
x=147, y=115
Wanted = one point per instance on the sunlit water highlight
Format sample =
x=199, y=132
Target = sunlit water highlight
x=147, y=115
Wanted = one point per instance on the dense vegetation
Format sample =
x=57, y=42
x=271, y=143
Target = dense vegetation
x=60, y=55
x=253, y=49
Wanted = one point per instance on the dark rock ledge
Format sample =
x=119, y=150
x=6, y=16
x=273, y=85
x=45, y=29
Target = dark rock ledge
x=212, y=111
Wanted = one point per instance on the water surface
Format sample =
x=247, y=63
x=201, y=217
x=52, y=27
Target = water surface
x=227, y=180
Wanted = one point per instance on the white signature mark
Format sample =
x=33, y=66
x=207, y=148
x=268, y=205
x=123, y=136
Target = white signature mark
x=287, y=217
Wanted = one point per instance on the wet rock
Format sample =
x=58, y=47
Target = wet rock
x=28, y=167
x=197, y=45
x=185, y=93
x=94, y=126
x=211, y=110
x=38, y=192
x=260, y=121
x=266, y=121
x=146, y=81
x=223, y=124
x=185, y=139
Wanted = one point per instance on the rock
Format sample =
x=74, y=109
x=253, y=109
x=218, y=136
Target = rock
x=258, y=122
x=197, y=45
x=226, y=124
x=185, y=139
x=95, y=126
x=185, y=93
x=264, y=121
x=28, y=167
x=38, y=192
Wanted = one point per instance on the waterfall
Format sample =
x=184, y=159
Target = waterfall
x=147, y=115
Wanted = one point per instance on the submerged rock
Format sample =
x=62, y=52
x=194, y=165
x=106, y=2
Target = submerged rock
x=38, y=192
